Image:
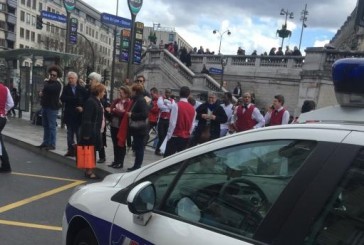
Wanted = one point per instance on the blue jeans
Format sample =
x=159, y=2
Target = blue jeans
x=49, y=121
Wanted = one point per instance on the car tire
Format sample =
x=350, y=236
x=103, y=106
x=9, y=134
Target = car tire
x=85, y=237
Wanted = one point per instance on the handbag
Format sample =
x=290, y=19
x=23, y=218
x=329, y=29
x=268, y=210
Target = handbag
x=138, y=125
x=85, y=156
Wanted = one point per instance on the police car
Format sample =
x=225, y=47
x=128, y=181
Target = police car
x=295, y=184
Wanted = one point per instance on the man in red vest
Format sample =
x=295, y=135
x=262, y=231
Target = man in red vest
x=180, y=124
x=277, y=115
x=6, y=103
x=247, y=116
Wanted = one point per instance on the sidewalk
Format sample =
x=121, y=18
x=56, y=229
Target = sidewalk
x=24, y=134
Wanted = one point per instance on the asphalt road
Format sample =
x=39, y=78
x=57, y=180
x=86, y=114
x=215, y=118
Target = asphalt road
x=33, y=198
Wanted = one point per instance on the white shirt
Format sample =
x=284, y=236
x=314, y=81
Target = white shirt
x=9, y=101
x=229, y=113
x=285, y=117
x=256, y=115
x=173, y=119
x=165, y=105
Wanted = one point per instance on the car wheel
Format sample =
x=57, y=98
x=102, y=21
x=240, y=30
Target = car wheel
x=85, y=237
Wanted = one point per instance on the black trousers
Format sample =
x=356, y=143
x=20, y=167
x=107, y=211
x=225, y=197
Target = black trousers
x=5, y=164
x=175, y=144
x=119, y=152
x=163, y=125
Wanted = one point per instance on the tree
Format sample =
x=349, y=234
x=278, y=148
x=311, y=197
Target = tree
x=152, y=37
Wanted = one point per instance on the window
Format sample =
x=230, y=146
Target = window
x=34, y=4
x=22, y=16
x=48, y=27
x=33, y=20
x=39, y=38
x=29, y=3
x=81, y=27
x=171, y=37
x=2, y=7
x=21, y=32
x=342, y=220
x=28, y=19
x=23, y=2
x=21, y=46
x=97, y=34
x=27, y=34
x=32, y=36
x=230, y=189
x=40, y=6
x=3, y=25
x=2, y=42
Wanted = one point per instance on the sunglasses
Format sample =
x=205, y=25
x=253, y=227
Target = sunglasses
x=53, y=75
x=140, y=81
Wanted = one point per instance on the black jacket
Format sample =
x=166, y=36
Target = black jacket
x=214, y=124
x=91, y=122
x=71, y=101
x=139, y=111
x=50, y=94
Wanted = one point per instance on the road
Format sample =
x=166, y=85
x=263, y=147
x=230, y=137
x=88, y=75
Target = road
x=33, y=198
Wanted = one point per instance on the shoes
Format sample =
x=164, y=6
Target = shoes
x=91, y=176
x=50, y=147
x=131, y=169
x=101, y=160
x=115, y=165
x=158, y=153
x=5, y=170
x=42, y=146
x=69, y=154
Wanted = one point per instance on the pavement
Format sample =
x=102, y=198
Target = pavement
x=21, y=132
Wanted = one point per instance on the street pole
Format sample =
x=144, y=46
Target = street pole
x=131, y=49
x=303, y=18
x=113, y=58
x=220, y=44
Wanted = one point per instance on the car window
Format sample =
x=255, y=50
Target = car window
x=233, y=188
x=342, y=219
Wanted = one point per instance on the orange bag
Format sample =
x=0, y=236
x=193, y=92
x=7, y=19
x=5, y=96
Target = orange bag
x=85, y=157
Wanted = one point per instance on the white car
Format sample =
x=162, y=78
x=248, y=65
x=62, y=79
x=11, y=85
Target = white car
x=295, y=184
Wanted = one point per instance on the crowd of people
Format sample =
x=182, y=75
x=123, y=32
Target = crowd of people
x=180, y=121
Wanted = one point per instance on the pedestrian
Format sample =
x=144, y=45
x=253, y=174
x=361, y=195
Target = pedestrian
x=118, y=110
x=73, y=97
x=15, y=96
x=229, y=109
x=153, y=115
x=180, y=124
x=6, y=103
x=165, y=106
x=138, y=112
x=276, y=114
x=247, y=116
x=210, y=116
x=93, y=122
x=237, y=92
x=50, y=102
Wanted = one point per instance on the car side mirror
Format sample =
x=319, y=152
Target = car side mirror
x=141, y=198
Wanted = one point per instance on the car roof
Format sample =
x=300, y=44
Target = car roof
x=334, y=114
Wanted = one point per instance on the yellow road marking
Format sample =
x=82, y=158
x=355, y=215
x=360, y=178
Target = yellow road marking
x=22, y=224
x=40, y=196
x=43, y=177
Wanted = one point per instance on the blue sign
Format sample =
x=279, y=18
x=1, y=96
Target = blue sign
x=73, y=31
x=115, y=20
x=215, y=71
x=53, y=16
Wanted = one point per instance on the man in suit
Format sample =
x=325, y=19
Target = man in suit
x=73, y=98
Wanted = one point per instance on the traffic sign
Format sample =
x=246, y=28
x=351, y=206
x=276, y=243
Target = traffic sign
x=135, y=6
x=215, y=71
x=69, y=5
x=115, y=20
x=53, y=16
x=73, y=31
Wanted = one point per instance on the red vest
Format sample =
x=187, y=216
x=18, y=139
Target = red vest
x=154, y=111
x=3, y=98
x=244, y=120
x=185, y=116
x=276, y=118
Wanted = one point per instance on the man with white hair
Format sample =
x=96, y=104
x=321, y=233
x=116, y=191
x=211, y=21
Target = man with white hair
x=73, y=98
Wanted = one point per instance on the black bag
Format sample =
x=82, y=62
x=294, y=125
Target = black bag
x=138, y=125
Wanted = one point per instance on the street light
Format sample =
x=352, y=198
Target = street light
x=223, y=64
x=304, y=14
x=284, y=33
x=221, y=35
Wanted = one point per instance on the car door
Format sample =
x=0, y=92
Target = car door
x=220, y=196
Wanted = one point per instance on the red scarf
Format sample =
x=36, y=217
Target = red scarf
x=124, y=126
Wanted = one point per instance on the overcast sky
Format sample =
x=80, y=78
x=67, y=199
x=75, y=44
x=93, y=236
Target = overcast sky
x=253, y=23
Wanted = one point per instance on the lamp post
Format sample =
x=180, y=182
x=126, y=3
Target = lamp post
x=113, y=58
x=223, y=64
x=284, y=33
x=304, y=14
x=221, y=35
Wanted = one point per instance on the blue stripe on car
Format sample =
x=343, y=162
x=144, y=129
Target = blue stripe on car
x=102, y=228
